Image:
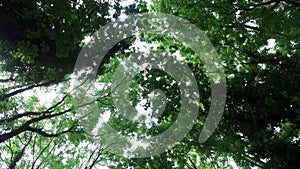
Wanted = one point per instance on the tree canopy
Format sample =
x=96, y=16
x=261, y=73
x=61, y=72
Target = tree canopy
x=40, y=119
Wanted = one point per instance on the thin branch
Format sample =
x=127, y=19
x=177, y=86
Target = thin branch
x=57, y=104
x=213, y=162
x=96, y=159
x=253, y=6
x=11, y=150
x=31, y=113
x=253, y=161
x=285, y=138
x=33, y=147
x=19, y=155
x=292, y=2
x=8, y=120
x=7, y=96
x=39, y=155
x=43, y=160
x=44, y=134
x=194, y=165
x=26, y=125
x=90, y=157
x=7, y=80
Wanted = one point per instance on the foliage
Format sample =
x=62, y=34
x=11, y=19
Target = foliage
x=40, y=41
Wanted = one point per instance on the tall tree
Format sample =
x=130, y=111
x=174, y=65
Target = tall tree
x=257, y=41
x=262, y=103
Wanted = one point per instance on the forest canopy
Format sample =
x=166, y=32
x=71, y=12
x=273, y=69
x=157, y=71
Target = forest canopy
x=42, y=124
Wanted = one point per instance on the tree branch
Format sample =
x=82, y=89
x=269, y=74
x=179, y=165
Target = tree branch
x=19, y=155
x=194, y=165
x=7, y=80
x=96, y=159
x=292, y=2
x=44, y=134
x=253, y=6
x=26, y=125
x=6, y=96
x=31, y=113
x=39, y=155
x=7, y=120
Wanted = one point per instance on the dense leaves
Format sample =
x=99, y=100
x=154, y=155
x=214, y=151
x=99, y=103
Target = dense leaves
x=258, y=42
x=262, y=79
